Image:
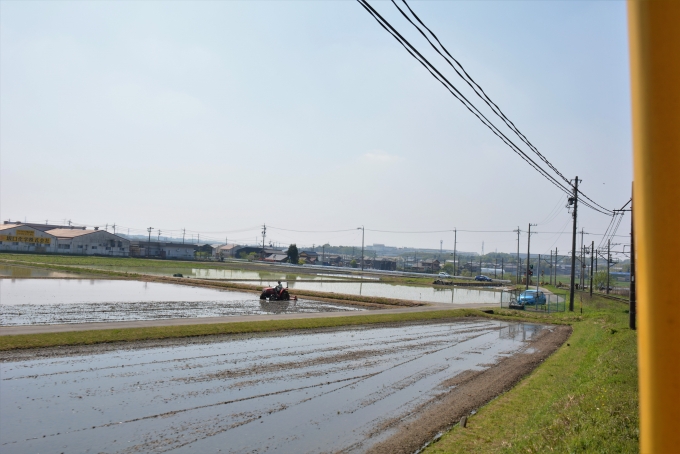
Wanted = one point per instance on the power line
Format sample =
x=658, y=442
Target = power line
x=483, y=96
x=460, y=97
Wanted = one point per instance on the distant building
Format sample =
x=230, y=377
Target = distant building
x=163, y=250
x=63, y=240
x=225, y=250
x=309, y=257
x=276, y=258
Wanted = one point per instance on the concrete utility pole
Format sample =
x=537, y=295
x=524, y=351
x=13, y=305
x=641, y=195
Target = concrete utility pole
x=632, y=306
x=502, y=267
x=455, y=238
x=538, y=272
x=573, y=200
x=592, y=255
x=149, y=247
x=184, y=232
x=583, y=260
x=609, y=261
x=528, y=252
x=518, y=261
x=551, y=267
x=264, y=234
x=363, y=231
x=114, y=228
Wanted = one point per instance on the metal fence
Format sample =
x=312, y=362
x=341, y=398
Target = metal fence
x=553, y=302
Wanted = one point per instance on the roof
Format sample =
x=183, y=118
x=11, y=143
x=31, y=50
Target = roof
x=226, y=247
x=70, y=233
x=9, y=226
x=309, y=253
x=277, y=257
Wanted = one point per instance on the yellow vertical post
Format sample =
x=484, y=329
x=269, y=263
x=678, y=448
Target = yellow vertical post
x=654, y=27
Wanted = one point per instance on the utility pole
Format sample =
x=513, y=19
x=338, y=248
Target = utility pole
x=323, y=254
x=114, y=228
x=184, y=232
x=159, y=235
x=518, y=261
x=149, y=247
x=363, y=231
x=583, y=259
x=264, y=234
x=573, y=200
x=502, y=267
x=495, y=268
x=528, y=252
x=609, y=260
x=455, y=240
x=441, y=245
x=538, y=272
x=592, y=255
x=632, y=307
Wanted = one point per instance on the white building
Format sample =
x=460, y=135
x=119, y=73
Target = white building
x=164, y=250
x=90, y=242
x=77, y=241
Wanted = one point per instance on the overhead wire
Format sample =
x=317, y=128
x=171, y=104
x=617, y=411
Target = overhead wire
x=458, y=95
x=483, y=96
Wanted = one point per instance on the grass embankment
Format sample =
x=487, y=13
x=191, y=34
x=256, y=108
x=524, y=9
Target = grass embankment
x=73, y=338
x=584, y=398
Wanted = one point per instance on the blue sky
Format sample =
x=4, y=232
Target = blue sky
x=219, y=116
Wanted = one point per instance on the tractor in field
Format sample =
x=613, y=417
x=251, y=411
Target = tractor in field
x=278, y=293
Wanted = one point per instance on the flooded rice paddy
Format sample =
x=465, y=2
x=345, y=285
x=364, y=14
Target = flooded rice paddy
x=453, y=295
x=49, y=301
x=328, y=391
x=21, y=272
x=223, y=273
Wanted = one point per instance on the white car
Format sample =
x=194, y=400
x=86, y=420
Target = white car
x=443, y=274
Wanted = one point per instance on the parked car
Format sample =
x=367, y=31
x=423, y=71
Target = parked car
x=531, y=298
x=443, y=274
x=481, y=277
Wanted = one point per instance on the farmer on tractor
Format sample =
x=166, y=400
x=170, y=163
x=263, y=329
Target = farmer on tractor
x=278, y=288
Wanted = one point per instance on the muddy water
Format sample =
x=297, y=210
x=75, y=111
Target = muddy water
x=320, y=392
x=21, y=272
x=455, y=295
x=48, y=301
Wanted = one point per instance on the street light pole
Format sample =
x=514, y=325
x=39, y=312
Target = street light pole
x=149, y=247
x=363, y=231
x=455, y=238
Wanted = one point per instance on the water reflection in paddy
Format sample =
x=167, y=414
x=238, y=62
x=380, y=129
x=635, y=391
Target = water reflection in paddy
x=220, y=273
x=454, y=295
x=47, y=301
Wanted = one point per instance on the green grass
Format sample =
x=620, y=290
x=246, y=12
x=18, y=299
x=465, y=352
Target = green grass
x=584, y=398
x=72, y=338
